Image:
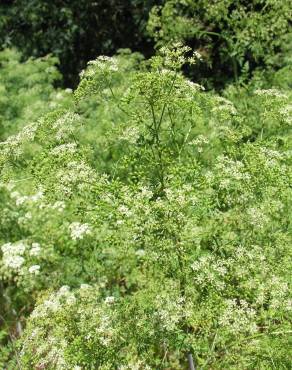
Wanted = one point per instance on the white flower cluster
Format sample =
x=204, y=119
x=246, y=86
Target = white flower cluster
x=78, y=230
x=245, y=261
x=167, y=72
x=238, y=317
x=54, y=303
x=35, y=269
x=130, y=134
x=104, y=63
x=279, y=293
x=85, y=286
x=125, y=211
x=271, y=93
x=197, y=55
x=13, y=145
x=51, y=351
x=286, y=113
x=75, y=173
x=176, y=56
x=65, y=125
x=53, y=354
x=64, y=149
x=271, y=157
x=257, y=218
x=209, y=272
x=13, y=255
x=146, y=193
x=105, y=329
x=178, y=196
x=194, y=86
x=21, y=199
x=35, y=249
x=59, y=206
x=228, y=168
x=170, y=311
x=199, y=142
x=110, y=300
x=223, y=106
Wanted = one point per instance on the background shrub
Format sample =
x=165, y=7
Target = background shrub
x=234, y=37
x=74, y=31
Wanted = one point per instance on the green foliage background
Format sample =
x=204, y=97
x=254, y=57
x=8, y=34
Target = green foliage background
x=234, y=37
x=145, y=216
x=74, y=31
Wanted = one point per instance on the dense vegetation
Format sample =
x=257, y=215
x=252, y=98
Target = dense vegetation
x=145, y=216
x=233, y=36
x=75, y=31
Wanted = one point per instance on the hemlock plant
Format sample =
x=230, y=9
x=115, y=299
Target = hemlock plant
x=152, y=222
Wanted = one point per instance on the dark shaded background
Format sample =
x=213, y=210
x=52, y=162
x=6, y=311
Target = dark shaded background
x=75, y=30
